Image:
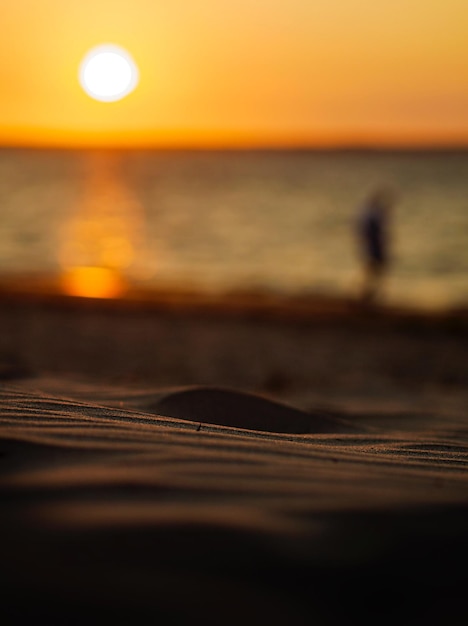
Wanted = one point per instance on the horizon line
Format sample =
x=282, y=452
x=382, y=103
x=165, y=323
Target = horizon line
x=260, y=147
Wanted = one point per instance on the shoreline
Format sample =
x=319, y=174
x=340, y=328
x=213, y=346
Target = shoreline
x=34, y=289
x=301, y=350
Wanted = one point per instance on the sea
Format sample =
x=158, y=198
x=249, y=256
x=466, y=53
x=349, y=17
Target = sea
x=281, y=221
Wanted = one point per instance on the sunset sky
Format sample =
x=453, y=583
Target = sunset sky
x=240, y=72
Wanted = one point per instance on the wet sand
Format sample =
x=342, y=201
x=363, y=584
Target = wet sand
x=183, y=459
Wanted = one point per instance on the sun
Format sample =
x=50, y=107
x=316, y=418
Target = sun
x=108, y=73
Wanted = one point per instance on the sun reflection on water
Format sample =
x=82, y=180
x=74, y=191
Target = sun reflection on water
x=100, y=241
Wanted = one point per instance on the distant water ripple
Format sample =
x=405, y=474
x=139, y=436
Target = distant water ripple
x=256, y=220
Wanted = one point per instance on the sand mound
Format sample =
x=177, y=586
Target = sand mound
x=238, y=409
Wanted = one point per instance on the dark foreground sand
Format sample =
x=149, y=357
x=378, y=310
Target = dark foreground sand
x=243, y=461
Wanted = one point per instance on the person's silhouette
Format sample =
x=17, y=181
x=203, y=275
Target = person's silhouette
x=374, y=241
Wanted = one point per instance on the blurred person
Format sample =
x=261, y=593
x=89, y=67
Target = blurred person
x=374, y=241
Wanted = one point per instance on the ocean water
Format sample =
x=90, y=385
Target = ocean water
x=258, y=220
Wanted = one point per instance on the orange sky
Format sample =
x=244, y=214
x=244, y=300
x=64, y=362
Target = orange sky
x=243, y=72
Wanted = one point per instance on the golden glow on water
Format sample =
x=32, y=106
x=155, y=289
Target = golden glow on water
x=92, y=282
x=99, y=242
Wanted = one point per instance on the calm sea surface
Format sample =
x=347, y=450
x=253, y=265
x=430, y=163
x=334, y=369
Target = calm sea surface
x=282, y=221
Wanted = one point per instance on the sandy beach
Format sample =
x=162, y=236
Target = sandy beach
x=171, y=458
